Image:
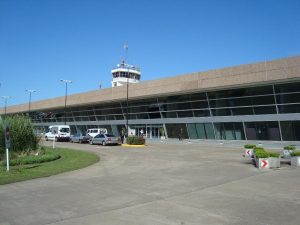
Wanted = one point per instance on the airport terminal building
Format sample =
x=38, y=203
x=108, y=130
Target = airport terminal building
x=258, y=101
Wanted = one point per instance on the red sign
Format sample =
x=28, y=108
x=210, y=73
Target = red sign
x=264, y=163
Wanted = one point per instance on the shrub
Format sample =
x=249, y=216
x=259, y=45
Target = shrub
x=33, y=159
x=274, y=154
x=290, y=147
x=249, y=146
x=295, y=154
x=258, y=149
x=135, y=140
x=22, y=136
x=261, y=153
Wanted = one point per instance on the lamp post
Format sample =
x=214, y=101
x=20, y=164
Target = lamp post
x=5, y=102
x=29, y=103
x=127, y=86
x=66, y=82
x=127, y=113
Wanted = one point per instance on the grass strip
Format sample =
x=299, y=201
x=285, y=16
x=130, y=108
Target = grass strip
x=69, y=160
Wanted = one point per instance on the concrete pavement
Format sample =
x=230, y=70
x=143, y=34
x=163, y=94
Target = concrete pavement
x=161, y=184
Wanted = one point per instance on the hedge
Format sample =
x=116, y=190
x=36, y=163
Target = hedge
x=295, y=154
x=261, y=153
x=33, y=159
x=274, y=154
x=249, y=146
x=135, y=140
x=290, y=147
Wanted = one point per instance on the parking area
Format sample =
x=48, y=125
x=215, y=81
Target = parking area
x=178, y=183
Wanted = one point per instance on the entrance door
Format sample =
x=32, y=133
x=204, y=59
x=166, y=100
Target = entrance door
x=153, y=131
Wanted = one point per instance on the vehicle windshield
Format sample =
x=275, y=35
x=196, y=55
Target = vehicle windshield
x=110, y=135
x=65, y=130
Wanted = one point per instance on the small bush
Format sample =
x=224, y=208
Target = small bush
x=135, y=140
x=295, y=154
x=249, y=146
x=274, y=154
x=261, y=153
x=290, y=147
x=33, y=159
x=258, y=149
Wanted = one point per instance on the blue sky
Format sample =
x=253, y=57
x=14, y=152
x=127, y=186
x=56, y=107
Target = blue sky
x=43, y=41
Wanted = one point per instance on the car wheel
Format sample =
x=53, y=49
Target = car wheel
x=46, y=138
x=91, y=142
x=103, y=143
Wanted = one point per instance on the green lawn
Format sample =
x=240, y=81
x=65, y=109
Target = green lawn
x=70, y=160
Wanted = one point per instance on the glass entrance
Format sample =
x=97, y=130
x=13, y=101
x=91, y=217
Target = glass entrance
x=151, y=131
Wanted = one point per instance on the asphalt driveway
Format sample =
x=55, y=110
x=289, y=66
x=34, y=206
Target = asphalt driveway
x=160, y=184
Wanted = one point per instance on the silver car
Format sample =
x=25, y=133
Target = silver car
x=105, y=139
x=80, y=138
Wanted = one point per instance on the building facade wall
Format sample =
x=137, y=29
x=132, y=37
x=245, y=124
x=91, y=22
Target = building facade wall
x=266, y=112
x=249, y=102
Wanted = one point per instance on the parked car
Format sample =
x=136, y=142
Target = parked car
x=105, y=139
x=80, y=138
x=58, y=133
x=95, y=131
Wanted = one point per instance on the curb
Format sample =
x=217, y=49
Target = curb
x=137, y=146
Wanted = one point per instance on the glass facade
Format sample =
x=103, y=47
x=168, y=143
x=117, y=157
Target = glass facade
x=178, y=114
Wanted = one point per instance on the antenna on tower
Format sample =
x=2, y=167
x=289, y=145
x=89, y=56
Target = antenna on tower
x=126, y=52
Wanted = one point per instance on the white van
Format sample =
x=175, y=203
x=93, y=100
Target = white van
x=95, y=131
x=58, y=132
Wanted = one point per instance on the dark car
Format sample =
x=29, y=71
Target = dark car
x=105, y=139
x=80, y=138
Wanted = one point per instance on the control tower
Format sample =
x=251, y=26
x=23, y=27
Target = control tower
x=124, y=73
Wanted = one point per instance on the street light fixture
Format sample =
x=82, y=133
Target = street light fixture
x=66, y=82
x=29, y=103
x=5, y=102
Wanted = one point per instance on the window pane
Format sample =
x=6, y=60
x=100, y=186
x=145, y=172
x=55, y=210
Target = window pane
x=174, y=130
x=198, y=96
x=201, y=113
x=169, y=114
x=265, y=110
x=263, y=100
x=242, y=111
x=229, y=131
x=294, y=108
x=285, y=88
x=209, y=130
x=185, y=114
x=268, y=130
x=192, y=131
x=241, y=92
x=221, y=112
x=240, y=102
x=143, y=116
x=288, y=98
x=199, y=105
x=154, y=115
x=290, y=130
x=201, y=131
